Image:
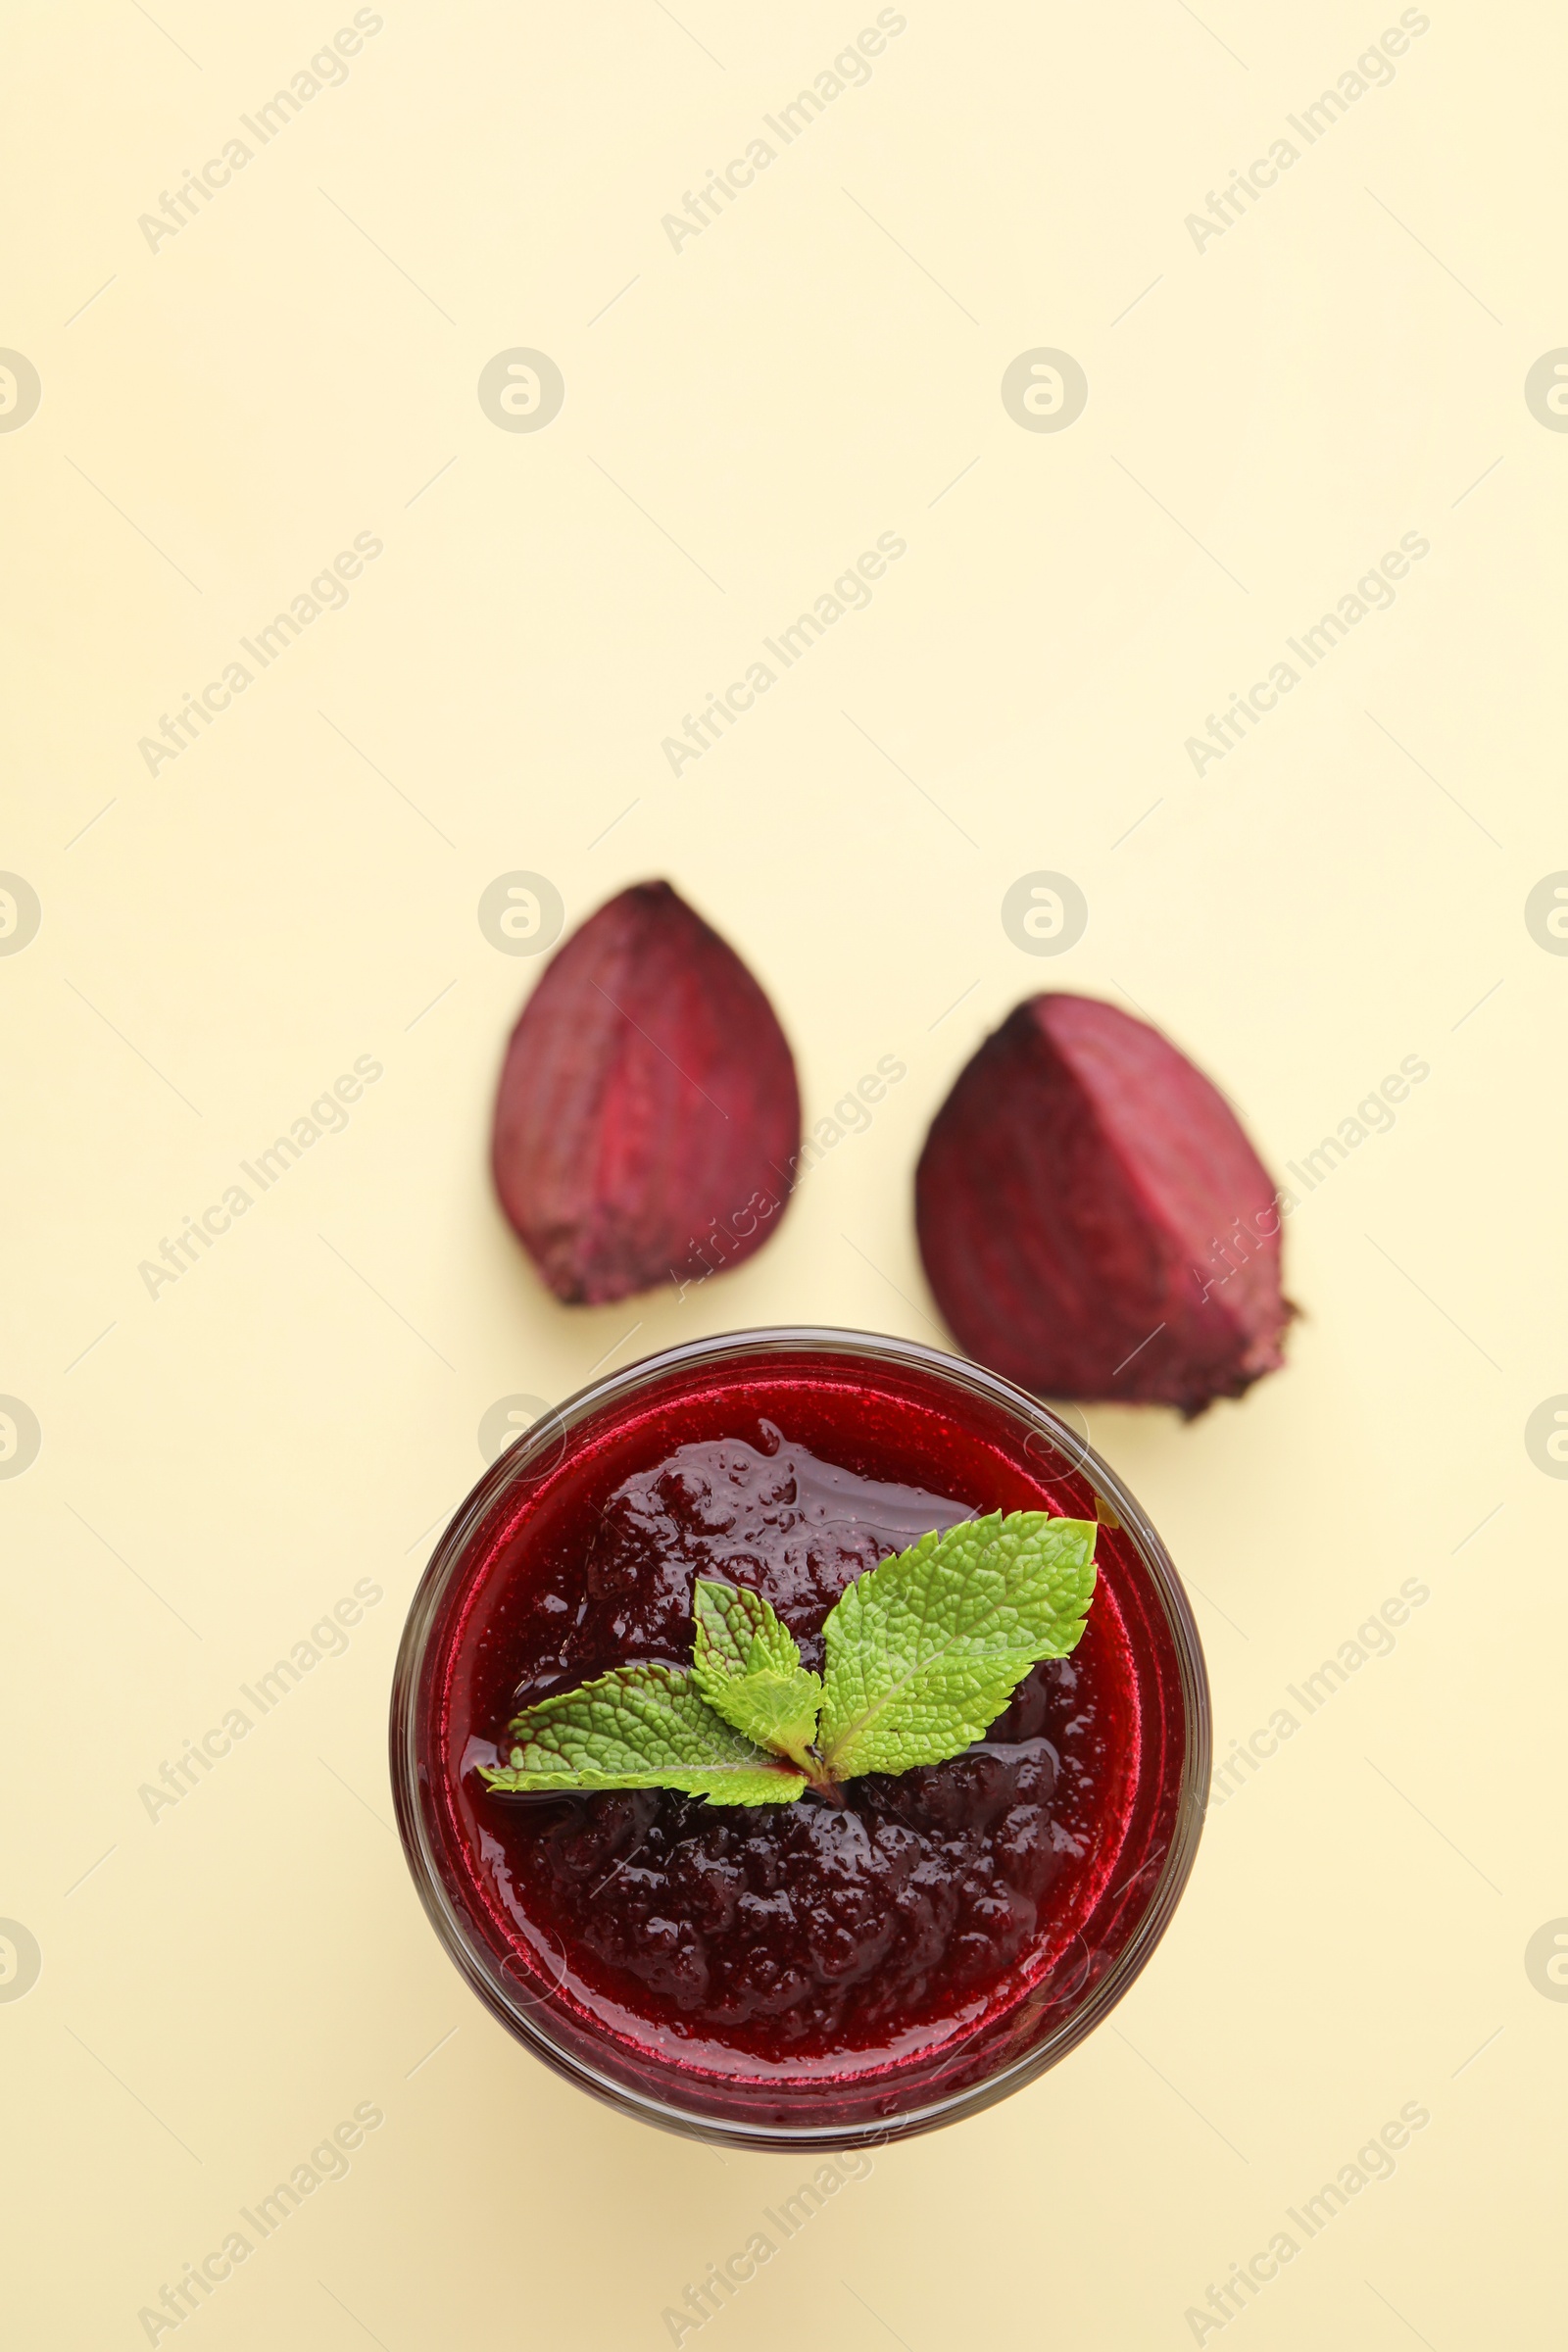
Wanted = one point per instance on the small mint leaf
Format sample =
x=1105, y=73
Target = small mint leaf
x=740, y=1632
x=924, y=1651
x=747, y=1665
x=640, y=1727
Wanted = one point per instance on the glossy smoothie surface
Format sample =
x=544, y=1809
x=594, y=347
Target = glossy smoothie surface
x=785, y=1941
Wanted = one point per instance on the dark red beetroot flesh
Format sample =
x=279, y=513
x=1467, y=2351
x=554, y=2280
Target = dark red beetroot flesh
x=648, y=1118
x=796, y=1961
x=1093, y=1221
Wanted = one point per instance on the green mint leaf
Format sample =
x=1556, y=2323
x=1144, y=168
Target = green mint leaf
x=640, y=1727
x=925, y=1650
x=747, y=1665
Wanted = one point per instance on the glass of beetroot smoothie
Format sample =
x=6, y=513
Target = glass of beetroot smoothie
x=808, y=1974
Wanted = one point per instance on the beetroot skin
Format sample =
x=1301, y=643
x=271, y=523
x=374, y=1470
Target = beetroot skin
x=648, y=1118
x=1093, y=1220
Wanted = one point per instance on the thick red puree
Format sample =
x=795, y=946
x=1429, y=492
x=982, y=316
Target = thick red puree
x=937, y=1923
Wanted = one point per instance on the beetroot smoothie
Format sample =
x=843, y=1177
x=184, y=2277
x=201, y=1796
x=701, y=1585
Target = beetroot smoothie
x=812, y=1971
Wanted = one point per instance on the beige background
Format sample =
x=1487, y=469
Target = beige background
x=299, y=363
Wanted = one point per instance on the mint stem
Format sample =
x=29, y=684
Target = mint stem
x=818, y=1777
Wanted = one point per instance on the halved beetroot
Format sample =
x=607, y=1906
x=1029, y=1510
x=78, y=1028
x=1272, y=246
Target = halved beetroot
x=648, y=1118
x=1094, y=1222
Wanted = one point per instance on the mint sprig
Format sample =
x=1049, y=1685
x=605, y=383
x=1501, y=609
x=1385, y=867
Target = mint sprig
x=923, y=1652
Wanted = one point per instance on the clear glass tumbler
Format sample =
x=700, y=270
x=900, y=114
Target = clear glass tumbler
x=886, y=1409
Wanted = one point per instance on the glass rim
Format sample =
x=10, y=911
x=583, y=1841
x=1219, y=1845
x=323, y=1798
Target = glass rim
x=521, y=1459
